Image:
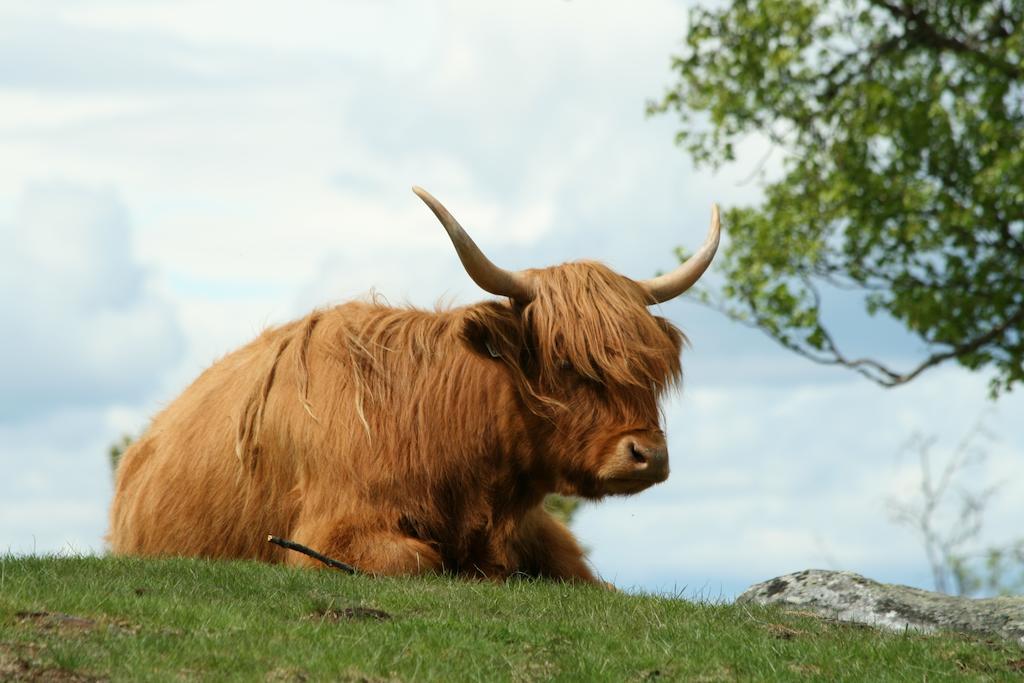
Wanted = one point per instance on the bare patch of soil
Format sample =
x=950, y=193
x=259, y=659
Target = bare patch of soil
x=70, y=623
x=286, y=676
x=49, y=621
x=783, y=632
x=19, y=663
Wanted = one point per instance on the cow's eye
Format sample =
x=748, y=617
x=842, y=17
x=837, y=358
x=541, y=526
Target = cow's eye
x=564, y=365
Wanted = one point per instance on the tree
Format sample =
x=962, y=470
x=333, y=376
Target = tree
x=947, y=515
x=902, y=123
x=117, y=449
x=562, y=507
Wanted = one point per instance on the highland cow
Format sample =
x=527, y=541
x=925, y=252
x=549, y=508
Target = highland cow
x=404, y=441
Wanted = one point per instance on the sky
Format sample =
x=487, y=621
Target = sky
x=177, y=175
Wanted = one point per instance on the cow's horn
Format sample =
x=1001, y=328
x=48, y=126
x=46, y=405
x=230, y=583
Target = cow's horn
x=491, y=278
x=671, y=285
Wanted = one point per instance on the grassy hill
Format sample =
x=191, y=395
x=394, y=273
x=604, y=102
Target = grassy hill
x=80, y=619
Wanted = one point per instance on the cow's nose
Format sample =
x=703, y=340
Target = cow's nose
x=651, y=459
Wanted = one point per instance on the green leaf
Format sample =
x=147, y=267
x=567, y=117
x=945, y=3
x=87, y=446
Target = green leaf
x=904, y=173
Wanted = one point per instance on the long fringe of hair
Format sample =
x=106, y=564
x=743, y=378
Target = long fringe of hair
x=584, y=317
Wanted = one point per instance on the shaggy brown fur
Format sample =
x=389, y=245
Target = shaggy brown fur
x=404, y=441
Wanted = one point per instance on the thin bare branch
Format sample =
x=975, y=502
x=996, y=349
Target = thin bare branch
x=868, y=367
x=305, y=550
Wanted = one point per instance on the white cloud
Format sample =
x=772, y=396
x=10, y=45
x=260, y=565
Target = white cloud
x=81, y=325
x=350, y=29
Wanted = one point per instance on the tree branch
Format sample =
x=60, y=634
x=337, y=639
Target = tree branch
x=876, y=51
x=868, y=367
x=918, y=26
x=960, y=349
x=299, y=548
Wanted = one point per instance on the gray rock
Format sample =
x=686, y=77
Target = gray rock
x=850, y=597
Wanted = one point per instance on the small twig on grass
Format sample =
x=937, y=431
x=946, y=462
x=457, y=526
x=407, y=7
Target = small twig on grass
x=299, y=548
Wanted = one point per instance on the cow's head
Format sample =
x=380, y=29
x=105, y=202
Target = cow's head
x=587, y=357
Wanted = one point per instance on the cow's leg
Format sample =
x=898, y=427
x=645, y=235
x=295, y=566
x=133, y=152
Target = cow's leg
x=373, y=551
x=545, y=547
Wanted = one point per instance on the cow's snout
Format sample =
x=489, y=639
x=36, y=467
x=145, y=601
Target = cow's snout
x=650, y=458
x=636, y=462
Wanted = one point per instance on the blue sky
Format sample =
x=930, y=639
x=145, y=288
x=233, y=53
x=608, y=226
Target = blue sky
x=178, y=175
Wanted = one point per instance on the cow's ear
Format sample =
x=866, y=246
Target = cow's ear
x=492, y=329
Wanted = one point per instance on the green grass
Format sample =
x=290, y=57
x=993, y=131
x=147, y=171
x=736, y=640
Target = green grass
x=126, y=619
